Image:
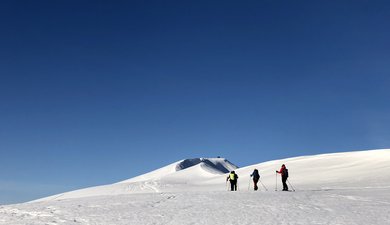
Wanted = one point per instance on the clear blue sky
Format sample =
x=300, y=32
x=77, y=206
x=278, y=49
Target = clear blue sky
x=94, y=92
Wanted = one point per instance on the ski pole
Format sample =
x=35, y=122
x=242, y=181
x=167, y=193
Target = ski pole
x=249, y=184
x=276, y=181
x=263, y=185
x=292, y=187
x=227, y=186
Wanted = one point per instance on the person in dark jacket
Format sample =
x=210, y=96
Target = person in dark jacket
x=256, y=176
x=233, y=177
x=284, y=172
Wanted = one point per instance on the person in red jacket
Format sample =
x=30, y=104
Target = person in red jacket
x=284, y=172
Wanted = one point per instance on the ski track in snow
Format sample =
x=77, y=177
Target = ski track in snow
x=144, y=186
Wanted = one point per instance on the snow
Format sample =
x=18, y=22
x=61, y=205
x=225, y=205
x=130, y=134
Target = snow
x=340, y=188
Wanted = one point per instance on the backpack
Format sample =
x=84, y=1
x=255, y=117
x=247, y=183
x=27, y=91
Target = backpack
x=285, y=172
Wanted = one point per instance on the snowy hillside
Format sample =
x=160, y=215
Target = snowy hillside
x=211, y=166
x=184, y=174
x=340, y=188
x=328, y=171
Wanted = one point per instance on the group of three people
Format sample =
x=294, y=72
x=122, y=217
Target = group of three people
x=233, y=177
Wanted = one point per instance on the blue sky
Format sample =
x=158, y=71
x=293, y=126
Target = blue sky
x=96, y=92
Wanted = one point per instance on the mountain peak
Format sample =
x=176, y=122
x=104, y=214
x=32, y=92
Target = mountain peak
x=220, y=165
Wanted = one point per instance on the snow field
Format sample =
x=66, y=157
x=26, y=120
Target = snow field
x=365, y=206
x=342, y=188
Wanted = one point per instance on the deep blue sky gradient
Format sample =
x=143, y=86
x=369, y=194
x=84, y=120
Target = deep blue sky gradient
x=94, y=92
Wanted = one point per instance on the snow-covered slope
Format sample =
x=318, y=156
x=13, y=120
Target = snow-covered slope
x=210, y=166
x=341, y=188
x=327, y=171
x=182, y=175
x=338, y=170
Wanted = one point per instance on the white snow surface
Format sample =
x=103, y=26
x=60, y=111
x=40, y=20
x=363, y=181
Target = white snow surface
x=340, y=188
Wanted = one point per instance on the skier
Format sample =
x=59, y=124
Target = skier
x=256, y=176
x=233, y=181
x=284, y=172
